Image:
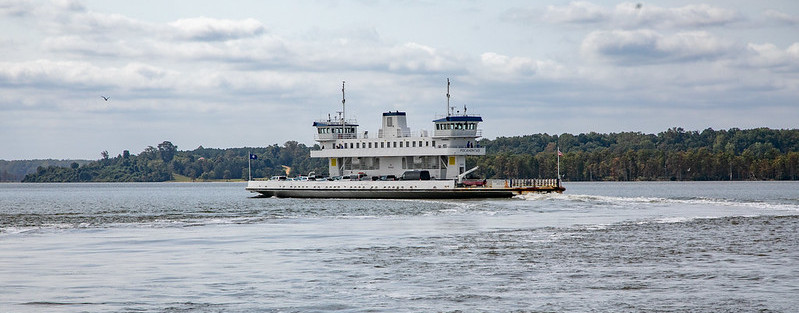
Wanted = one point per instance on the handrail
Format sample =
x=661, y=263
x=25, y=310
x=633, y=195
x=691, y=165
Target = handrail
x=335, y=136
x=337, y=121
x=524, y=182
x=458, y=133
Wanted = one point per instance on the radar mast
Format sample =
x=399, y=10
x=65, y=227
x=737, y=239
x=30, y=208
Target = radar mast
x=343, y=111
x=448, y=108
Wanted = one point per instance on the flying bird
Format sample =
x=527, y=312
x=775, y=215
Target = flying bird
x=638, y=6
x=105, y=98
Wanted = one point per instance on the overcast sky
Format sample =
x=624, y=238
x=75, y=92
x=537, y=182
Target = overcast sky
x=254, y=73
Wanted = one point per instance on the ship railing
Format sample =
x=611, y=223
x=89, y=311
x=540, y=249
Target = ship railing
x=337, y=122
x=523, y=182
x=403, y=134
x=418, y=133
x=469, y=145
x=458, y=133
x=457, y=113
x=334, y=136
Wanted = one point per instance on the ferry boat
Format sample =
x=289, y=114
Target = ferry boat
x=399, y=163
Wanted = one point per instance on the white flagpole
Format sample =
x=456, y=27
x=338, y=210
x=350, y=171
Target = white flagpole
x=559, y=163
x=249, y=165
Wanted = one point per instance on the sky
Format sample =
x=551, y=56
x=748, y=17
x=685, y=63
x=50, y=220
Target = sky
x=223, y=74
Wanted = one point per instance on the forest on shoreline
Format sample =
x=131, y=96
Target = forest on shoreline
x=675, y=154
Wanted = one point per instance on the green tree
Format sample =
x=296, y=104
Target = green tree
x=167, y=151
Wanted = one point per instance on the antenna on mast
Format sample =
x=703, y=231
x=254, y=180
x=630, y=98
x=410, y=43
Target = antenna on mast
x=343, y=110
x=447, y=97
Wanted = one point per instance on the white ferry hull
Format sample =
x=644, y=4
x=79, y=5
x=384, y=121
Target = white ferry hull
x=460, y=193
x=388, y=190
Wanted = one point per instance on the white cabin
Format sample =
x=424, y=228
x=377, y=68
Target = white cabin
x=396, y=149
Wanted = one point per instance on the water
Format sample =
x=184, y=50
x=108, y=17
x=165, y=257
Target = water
x=207, y=247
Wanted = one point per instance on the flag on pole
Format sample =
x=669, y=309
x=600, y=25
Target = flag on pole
x=560, y=154
x=249, y=164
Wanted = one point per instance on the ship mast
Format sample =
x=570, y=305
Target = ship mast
x=343, y=112
x=447, y=97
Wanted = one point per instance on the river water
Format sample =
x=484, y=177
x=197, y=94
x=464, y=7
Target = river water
x=212, y=247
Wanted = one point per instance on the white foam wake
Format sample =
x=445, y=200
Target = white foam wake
x=617, y=200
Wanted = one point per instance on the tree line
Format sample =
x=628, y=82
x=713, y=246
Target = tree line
x=14, y=171
x=675, y=154
x=164, y=162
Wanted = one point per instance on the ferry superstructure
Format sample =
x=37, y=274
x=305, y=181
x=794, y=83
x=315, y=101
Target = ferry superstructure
x=399, y=163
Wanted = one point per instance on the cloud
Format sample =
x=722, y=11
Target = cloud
x=72, y=18
x=70, y=5
x=702, y=15
x=500, y=67
x=637, y=47
x=251, y=53
x=637, y=15
x=577, y=12
x=209, y=29
x=689, y=16
x=418, y=58
x=88, y=34
x=16, y=8
x=75, y=75
x=242, y=44
x=502, y=64
x=770, y=56
x=46, y=72
x=781, y=17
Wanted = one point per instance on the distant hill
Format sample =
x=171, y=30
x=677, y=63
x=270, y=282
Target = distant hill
x=675, y=154
x=14, y=171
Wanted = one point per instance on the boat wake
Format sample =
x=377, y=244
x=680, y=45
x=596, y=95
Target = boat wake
x=792, y=206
